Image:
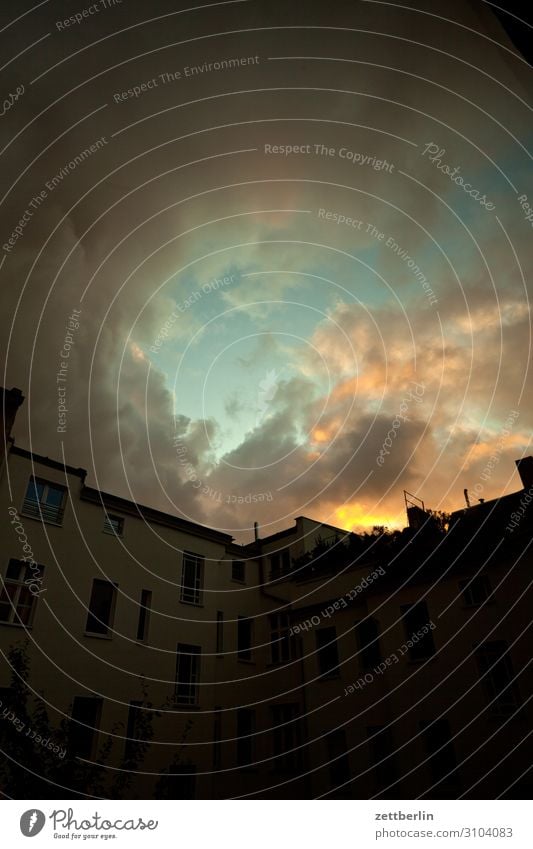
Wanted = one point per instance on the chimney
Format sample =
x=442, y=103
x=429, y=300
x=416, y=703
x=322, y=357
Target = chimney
x=11, y=401
x=525, y=470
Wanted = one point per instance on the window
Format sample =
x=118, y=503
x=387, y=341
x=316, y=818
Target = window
x=382, y=755
x=415, y=617
x=439, y=746
x=187, y=674
x=217, y=733
x=44, y=500
x=191, y=578
x=244, y=638
x=132, y=730
x=327, y=653
x=280, y=564
x=178, y=783
x=496, y=672
x=113, y=525
x=83, y=727
x=17, y=602
x=286, y=738
x=220, y=632
x=282, y=645
x=245, y=740
x=7, y=697
x=101, y=607
x=367, y=635
x=144, y=615
x=339, y=763
x=238, y=571
x=475, y=590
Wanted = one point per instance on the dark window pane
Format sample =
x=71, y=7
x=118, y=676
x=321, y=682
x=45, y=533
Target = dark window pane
x=144, y=615
x=179, y=783
x=220, y=632
x=217, y=733
x=54, y=496
x=237, y=570
x=438, y=744
x=382, y=754
x=244, y=638
x=15, y=570
x=327, y=653
x=339, y=764
x=275, y=566
x=415, y=617
x=187, y=674
x=132, y=729
x=286, y=738
x=245, y=728
x=86, y=712
x=496, y=670
x=36, y=490
x=367, y=634
x=100, y=607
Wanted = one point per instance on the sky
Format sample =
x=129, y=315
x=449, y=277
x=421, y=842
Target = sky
x=286, y=303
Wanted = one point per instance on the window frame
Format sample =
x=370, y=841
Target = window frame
x=245, y=740
x=234, y=576
x=132, y=726
x=440, y=751
x=77, y=727
x=217, y=737
x=245, y=653
x=371, y=647
x=467, y=588
x=339, y=767
x=188, y=650
x=489, y=655
x=382, y=754
x=287, y=730
x=108, y=525
x=219, y=636
x=143, y=620
x=415, y=655
x=282, y=643
x=323, y=650
x=112, y=609
x=21, y=585
x=192, y=594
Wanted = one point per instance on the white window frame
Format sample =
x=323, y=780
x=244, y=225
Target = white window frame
x=194, y=680
x=40, y=509
x=20, y=583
